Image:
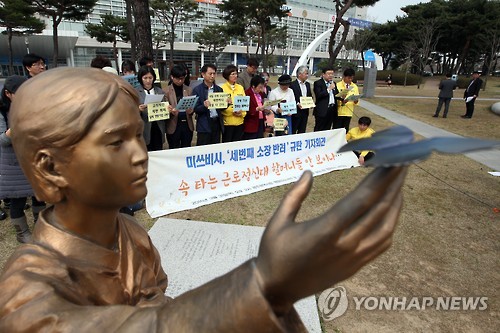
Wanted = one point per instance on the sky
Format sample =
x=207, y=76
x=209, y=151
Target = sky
x=387, y=10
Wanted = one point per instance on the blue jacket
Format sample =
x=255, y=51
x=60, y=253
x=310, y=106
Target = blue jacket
x=202, y=113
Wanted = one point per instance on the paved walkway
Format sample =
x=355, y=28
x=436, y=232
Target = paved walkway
x=490, y=158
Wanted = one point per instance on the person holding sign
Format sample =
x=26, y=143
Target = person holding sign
x=154, y=132
x=285, y=95
x=180, y=125
x=301, y=88
x=233, y=118
x=255, y=118
x=209, y=124
x=346, y=106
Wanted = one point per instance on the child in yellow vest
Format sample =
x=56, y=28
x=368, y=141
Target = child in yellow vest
x=362, y=131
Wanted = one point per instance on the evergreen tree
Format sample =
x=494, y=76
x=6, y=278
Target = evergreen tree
x=17, y=18
x=172, y=13
x=110, y=30
x=75, y=10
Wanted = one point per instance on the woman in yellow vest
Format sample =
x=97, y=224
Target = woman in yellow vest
x=233, y=119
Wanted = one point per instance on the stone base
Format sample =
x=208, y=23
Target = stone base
x=193, y=253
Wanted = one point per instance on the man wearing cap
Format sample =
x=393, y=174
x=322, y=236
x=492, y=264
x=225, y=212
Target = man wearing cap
x=471, y=94
x=301, y=88
x=285, y=95
x=325, y=111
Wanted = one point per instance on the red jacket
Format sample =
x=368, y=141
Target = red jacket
x=251, y=122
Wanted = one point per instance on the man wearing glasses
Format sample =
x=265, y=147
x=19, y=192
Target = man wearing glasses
x=34, y=64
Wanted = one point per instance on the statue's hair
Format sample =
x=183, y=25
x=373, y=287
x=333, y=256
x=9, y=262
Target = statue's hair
x=56, y=109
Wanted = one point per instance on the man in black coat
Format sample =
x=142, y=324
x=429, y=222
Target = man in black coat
x=301, y=88
x=325, y=112
x=471, y=94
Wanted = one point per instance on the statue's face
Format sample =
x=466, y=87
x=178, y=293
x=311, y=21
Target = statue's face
x=108, y=166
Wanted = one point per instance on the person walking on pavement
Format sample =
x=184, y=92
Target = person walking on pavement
x=471, y=94
x=446, y=88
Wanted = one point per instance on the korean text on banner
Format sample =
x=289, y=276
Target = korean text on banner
x=213, y=173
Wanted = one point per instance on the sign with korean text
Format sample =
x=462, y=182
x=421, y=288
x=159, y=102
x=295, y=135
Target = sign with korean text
x=307, y=102
x=288, y=108
x=241, y=103
x=218, y=100
x=213, y=173
x=158, y=111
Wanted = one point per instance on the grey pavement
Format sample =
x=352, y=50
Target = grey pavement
x=490, y=158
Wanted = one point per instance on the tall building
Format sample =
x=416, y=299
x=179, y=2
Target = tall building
x=307, y=20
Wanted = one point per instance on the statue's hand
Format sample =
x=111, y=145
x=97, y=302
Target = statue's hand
x=299, y=259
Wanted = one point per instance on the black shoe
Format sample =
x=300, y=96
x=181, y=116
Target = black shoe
x=444, y=116
x=3, y=214
x=435, y=116
x=465, y=117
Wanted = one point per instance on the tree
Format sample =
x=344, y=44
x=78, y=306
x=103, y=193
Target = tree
x=142, y=26
x=110, y=30
x=172, y=13
x=17, y=17
x=341, y=7
x=74, y=10
x=261, y=15
x=131, y=29
x=360, y=42
x=212, y=39
x=160, y=39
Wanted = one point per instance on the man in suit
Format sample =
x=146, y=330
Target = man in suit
x=472, y=91
x=325, y=111
x=446, y=88
x=301, y=88
x=180, y=125
x=209, y=125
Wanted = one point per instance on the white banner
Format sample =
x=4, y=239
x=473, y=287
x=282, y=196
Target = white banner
x=181, y=179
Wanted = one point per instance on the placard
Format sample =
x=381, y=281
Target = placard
x=280, y=124
x=271, y=103
x=218, y=100
x=157, y=73
x=241, y=103
x=307, y=102
x=288, y=108
x=158, y=111
x=132, y=79
x=186, y=103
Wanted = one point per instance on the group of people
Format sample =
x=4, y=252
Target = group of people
x=334, y=107
x=89, y=268
x=446, y=88
x=15, y=189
